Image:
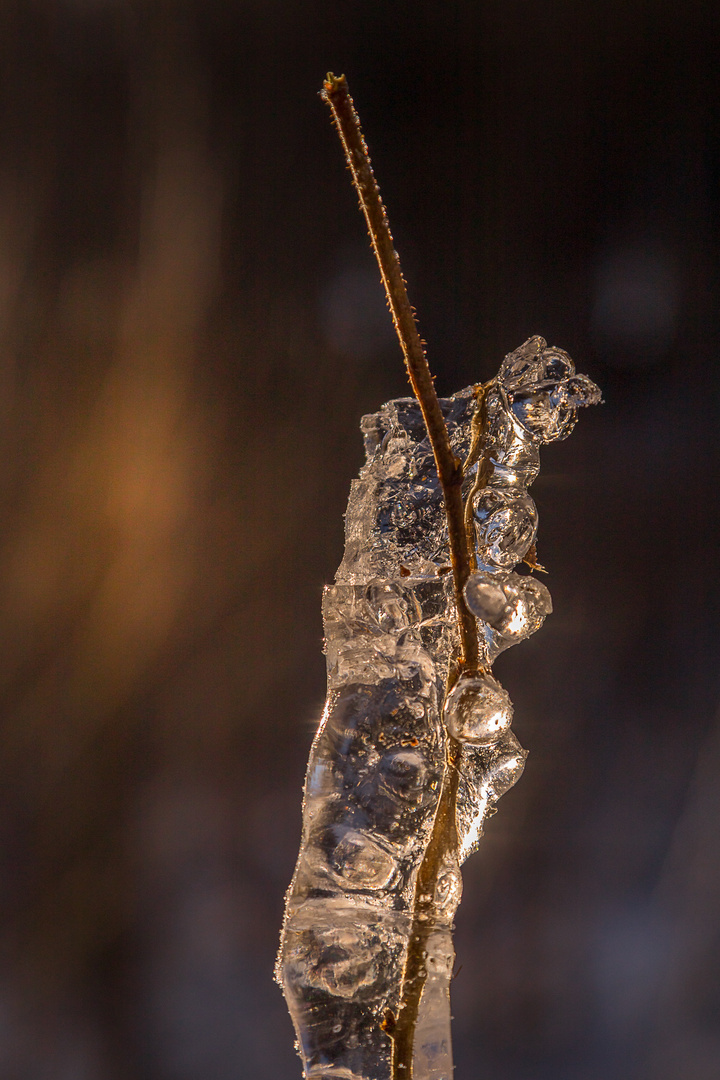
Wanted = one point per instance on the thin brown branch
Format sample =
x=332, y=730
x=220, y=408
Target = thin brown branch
x=335, y=93
x=443, y=840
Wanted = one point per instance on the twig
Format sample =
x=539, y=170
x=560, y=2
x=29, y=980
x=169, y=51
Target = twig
x=443, y=840
x=335, y=93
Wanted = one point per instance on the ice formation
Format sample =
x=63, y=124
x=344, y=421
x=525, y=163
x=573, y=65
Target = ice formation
x=377, y=762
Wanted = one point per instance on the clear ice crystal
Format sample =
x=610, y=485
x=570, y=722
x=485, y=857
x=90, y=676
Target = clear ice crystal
x=534, y=364
x=543, y=390
x=380, y=753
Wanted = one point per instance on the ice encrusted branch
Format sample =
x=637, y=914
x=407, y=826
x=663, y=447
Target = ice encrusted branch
x=450, y=472
x=415, y=744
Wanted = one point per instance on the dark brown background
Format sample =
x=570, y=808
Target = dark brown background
x=190, y=329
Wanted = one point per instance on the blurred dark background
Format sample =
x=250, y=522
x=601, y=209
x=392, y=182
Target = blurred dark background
x=191, y=326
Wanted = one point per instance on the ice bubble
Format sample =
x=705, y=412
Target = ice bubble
x=535, y=364
x=478, y=710
x=404, y=773
x=543, y=415
x=510, y=451
x=523, y=366
x=544, y=391
x=361, y=862
x=550, y=411
x=337, y=959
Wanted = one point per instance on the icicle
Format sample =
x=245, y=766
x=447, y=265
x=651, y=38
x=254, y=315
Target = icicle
x=377, y=762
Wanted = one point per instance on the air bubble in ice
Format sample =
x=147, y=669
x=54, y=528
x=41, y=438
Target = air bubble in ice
x=534, y=364
x=361, y=862
x=404, y=774
x=485, y=598
x=544, y=414
x=528, y=603
x=338, y=959
x=478, y=710
x=512, y=451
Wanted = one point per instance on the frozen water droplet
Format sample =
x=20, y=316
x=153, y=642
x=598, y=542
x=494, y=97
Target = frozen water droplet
x=544, y=414
x=512, y=606
x=505, y=524
x=549, y=412
x=528, y=603
x=511, y=450
x=535, y=364
x=544, y=391
x=486, y=773
x=478, y=710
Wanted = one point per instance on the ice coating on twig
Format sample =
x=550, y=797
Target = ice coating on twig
x=395, y=521
x=377, y=762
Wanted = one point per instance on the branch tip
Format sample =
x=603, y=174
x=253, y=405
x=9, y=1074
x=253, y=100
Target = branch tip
x=334, y=84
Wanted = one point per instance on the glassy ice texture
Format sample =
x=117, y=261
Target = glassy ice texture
x=378, y=760
x=533, y=401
